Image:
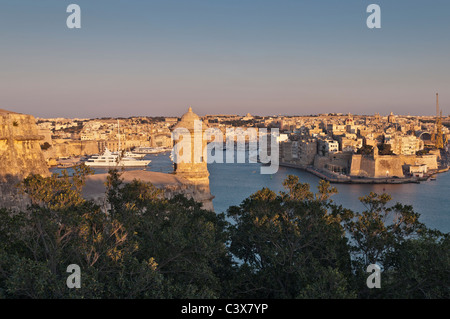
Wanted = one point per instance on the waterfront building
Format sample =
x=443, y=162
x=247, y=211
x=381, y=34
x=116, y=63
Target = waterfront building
x=418, y=170
x=301, y=152
x=404, y=145
x=328, y=146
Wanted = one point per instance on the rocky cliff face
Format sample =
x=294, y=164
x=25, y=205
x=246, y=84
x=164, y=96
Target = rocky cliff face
x=20, y=155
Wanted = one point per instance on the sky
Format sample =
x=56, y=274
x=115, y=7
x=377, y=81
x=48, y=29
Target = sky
x=263, y=57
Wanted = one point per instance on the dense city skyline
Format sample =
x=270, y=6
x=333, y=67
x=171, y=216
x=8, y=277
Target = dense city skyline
x=223, y=57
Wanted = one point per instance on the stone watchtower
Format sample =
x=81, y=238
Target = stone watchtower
x=192, y=163
x=194, y=168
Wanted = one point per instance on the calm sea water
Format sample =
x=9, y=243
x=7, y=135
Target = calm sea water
x=231, y=183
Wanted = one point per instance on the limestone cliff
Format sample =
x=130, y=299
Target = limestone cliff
x=20, y=155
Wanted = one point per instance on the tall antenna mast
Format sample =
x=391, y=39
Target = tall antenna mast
x=437, y=104
x=118, y=131
x=439, y=136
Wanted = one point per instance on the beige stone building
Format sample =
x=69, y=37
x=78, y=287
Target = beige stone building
x=301, y=152
x=404, y=144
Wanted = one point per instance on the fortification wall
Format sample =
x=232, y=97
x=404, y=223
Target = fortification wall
x=429, y=160
x=68, y=148
x=362, y=166
x=388, y=165
x=339, y=159
x=20, y=155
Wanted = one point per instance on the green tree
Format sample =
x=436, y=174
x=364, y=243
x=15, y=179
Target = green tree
x=385, y=149
x=61, y=228
x=365, y=150
x=286, y=241
x=419, y=268
x=188, y=242
x=291, y=244
x=414, y=259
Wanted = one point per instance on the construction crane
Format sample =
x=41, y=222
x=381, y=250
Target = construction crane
x=439, y=140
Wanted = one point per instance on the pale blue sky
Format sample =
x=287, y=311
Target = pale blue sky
x=290, y=57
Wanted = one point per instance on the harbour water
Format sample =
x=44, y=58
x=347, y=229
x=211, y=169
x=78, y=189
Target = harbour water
x=231, y=183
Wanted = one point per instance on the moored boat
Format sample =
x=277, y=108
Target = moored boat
x=109, y=159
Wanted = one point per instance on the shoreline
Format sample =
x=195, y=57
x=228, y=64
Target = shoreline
x=345, y=179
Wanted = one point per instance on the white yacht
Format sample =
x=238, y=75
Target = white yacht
x=108, y=159
x=131, y=155
x=151, y=150
x=117, y=159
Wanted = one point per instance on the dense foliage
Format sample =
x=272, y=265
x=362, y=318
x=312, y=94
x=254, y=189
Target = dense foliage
x=292, y=244
x=365, y=150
